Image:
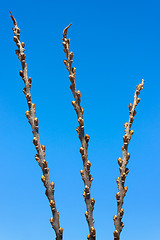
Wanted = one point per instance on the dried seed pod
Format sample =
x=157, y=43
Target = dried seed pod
x=130, y=106
x=65, y=62
x=35, y=142
x=81, y=121
x=92, y=202
x=21, y=73
x=86, y=214
x=36, y=121
x=43, y=148
x=52, y=185
x=74, y=104
x=71, y=78
x=120, y=161
x=29, y=80
x=61, y=231
x=23, y=44
x=86, y=189
x=28, y=114
x=87, y=138
x=81, y=150
x=43, y=178
x=126, y=125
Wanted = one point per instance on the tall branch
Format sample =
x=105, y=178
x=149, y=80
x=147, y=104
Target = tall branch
x=123, y=163
x=85, y=173
x=40, y=156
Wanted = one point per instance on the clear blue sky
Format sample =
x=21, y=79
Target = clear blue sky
x=115, y=45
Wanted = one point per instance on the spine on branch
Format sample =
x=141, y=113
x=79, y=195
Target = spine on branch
x=30, y=114
x=85, y=173
x=123, y=163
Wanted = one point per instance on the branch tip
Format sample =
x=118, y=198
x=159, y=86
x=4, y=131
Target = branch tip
x=65, y=31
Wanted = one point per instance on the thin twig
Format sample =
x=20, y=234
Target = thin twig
x=40, y=156
x=86, y=176
x=123, y=163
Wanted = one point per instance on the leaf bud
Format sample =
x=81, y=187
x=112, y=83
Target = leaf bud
x=86, y=214
x=33, y=105
x=82, y=173
x=125, y=138
x=23, y=44
x=120, y=161
x=115, y=233
x=18, y=30
x=64, y=44
x=138, y=100
x=88, y=165
x=87, y=138
x=37, y=158
x=52, y=204
x=118, y=195
x=23, y=56
x=78, y=94
x=84, y=194
x=61, y=231
x=128, y=156
x=15, y=39
x=131, y=132
x=86, y=189
x=125, y=189
x=36, y=121
x=52, y=185
x=74, y=70
x=52, y=221
x=81, y=150
x=77, y=129
x=43, y=178
x=131, y=119
x=71, y=78
x=134, y=113
x=82, y=110
x=71, y=55
x=35, y=142
x=43, y=148
x=114, y=218
x=93, y=231
x=126, y=125
x=17, y=52
x=65, y=62
x=81, y=121
x=90, y=178
x=74, y=104
x=21, y=73
x=118, y=180
x=30, y=80
x=24, y=90
x=28, y=96
x=92, y=202
x=88, y=237
x=27, y=114
x=45, y=163
x=121, y=212
x=126, y=171
x=130, y=106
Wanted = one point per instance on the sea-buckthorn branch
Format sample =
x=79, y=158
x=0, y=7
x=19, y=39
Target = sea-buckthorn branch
x=40, y=156
x=86, y=176
x=123, y=163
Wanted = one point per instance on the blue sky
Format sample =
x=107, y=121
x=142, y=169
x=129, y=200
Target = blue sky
x=115, y=45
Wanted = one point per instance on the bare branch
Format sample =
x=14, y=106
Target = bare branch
x=85, y=173
x=40, y=156
x=123, y=163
